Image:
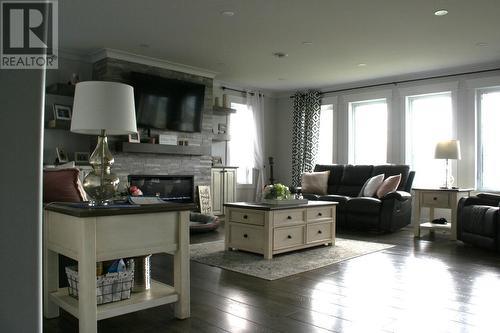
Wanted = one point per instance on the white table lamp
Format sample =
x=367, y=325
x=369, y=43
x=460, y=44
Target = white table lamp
x=102, y=108
x=448, y=150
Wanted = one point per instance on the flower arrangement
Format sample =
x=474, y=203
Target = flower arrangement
x=277, y=192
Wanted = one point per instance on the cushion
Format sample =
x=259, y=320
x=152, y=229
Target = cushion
x=389, y=185
x=62, y=185
x=393, y=170
x=371, y=186
x=315, y=182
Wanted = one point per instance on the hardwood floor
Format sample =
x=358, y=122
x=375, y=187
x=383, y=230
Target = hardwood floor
x=426, y=285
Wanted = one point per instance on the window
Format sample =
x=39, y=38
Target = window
x=325, y=150
x=489, y=137
x=429, y=119
x=368, y=132
x=241, y=149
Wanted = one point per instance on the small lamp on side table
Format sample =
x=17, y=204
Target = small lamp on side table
x=448, y=150
x=103, y=108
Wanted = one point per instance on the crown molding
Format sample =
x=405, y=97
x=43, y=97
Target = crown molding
x=149, y=61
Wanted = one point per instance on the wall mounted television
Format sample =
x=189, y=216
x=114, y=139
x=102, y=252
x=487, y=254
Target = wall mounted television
x=168, y=104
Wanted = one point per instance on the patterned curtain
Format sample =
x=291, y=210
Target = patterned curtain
x=305, y=133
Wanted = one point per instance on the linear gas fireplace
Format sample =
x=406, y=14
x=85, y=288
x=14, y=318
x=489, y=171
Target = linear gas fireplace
x=170, y=188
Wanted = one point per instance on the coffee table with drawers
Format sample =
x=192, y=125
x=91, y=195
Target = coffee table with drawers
x=272, y=229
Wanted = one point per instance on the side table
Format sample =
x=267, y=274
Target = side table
x=437, y=198
x=89, y=235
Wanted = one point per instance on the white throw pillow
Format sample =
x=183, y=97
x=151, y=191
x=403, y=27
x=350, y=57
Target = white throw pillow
x=315, y=182
x=371, y=186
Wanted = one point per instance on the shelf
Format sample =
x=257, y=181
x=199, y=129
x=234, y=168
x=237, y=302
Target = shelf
x=58, y=124
x=159, y=294
x=435, y=226
x=221, y=137
x=149, y=148
x=222, y=111
x=62, y=89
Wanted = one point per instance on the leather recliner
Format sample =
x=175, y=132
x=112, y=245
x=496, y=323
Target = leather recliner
x=478, y=221
x=388, y=214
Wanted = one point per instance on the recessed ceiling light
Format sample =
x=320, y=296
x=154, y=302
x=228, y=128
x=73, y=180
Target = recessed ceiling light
x=228, y=13
x=280, y=55
x=307, y=43
x=362, y=65
x=482, y=44
x=441, y=12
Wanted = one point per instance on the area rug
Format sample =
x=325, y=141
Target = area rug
x=282, y=265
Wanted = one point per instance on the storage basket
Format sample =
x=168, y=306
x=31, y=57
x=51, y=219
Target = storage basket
x=111, y=287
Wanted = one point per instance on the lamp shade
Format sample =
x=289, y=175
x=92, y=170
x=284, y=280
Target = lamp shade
x=100, y=105
x=449, y=149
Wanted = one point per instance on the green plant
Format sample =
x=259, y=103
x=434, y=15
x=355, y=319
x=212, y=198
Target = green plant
x=277, y=191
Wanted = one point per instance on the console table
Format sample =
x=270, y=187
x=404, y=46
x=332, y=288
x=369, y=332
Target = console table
x=438, y=198
x=272, y=229
x=90, y=235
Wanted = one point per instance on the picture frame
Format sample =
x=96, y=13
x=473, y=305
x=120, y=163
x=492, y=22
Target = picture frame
x=61, y=155
x=222, y=128
x=62, y=112
x=134, y=137
x=216, y=160
x=204, y=199
x=82, y=157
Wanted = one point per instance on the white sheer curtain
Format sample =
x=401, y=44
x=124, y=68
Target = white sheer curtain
x=255, y=103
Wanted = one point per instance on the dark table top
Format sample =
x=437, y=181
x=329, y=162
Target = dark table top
x=266, y=206
x=76, y=209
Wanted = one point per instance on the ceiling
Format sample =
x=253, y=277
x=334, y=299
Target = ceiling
x=393, y=38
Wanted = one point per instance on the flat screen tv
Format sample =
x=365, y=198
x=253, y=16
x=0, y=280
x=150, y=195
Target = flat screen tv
x=168, y=104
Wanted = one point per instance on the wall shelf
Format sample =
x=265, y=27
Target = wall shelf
x=62, y=89
x=150, y=148
x=221, y=137
x=222, y=111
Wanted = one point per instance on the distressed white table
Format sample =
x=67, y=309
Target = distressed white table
x=92, y=235
x=437, y=198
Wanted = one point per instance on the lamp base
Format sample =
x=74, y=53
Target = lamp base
x=100, y=184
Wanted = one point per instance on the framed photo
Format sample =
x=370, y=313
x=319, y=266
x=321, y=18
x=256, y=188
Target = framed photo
x=62, y=157
x=81, y=157
x=222, y=128
x=135, y=137
x=216, y=160
x=205, y=199
x=62, y=112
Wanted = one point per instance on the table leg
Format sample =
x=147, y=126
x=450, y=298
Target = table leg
x=181, y=268
x=454, y=201
x=87, y=303
x=416, y=215
x=268, y=235
x=50, y=281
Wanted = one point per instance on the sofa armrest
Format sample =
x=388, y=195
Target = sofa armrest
x=398, y=195
x=490, y=197
x=484, y=199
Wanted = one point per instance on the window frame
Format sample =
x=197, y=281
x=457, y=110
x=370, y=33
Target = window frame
x=350, y=129
x=479, y=160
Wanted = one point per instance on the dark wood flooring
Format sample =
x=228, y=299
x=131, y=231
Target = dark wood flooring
x=426, y=285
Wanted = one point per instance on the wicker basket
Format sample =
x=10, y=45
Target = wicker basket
x=111, y=287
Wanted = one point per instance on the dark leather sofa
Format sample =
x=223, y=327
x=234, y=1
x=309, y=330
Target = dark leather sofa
x=387, y=214
x=478, y=221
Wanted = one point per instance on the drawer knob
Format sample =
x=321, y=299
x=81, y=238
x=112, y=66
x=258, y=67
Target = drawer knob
x=320, y=232
x=245, y=216
x=289, y=217
x=435, y=198
x=320, y=214
x=289, y=237
x=245, y=236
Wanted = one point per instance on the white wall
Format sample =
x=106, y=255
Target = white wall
x=21, y=118
x=463, y=93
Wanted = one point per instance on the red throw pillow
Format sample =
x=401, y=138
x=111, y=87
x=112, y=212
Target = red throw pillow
x=62, y=185
x=390, y=184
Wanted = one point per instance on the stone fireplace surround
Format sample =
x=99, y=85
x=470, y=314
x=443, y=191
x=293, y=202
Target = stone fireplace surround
x=110, y=69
